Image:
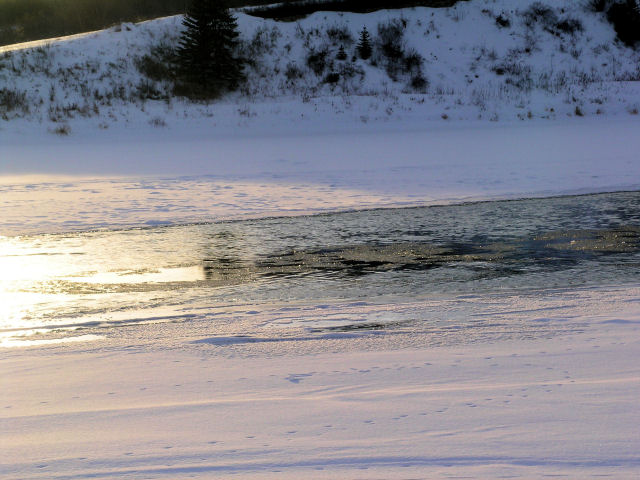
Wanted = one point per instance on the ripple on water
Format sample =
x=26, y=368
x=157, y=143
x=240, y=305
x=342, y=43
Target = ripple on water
x=109, y=279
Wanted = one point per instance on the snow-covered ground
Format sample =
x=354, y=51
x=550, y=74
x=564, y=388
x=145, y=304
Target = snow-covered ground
x=519, y=405
x=116, y=180
x=561, y=118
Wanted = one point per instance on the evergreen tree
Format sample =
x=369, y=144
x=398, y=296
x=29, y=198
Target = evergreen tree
x=342, y=55
x=206, y=62
x=364, y=45
x=625, y=17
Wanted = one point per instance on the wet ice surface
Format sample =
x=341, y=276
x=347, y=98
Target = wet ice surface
x=395, y=273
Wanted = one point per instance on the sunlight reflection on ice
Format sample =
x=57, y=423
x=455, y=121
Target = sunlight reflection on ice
x=12, y=342
x=178, y=274
x=43, y=276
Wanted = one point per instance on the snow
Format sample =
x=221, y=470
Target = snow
x=557, y=398
x=93, y=79
x=123, y=180
x=302, y=146
x=557, y=404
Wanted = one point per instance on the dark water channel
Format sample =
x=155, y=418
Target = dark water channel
x=525, y=243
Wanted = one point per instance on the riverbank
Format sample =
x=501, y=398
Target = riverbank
x=126, y=178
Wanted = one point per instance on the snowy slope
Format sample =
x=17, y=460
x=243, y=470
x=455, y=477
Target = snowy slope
x=474, y=67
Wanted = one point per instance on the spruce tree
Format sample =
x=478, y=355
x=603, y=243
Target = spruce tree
x=625, y=17
x=364, y=45
x=207, y=65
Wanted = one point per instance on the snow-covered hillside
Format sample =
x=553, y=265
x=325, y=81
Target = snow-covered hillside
x=487, y=60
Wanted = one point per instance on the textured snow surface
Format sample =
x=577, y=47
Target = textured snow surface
x=522, y=407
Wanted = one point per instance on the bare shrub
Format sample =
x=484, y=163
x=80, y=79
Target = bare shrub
x=412, y=61
x=13, y=101
x=158, y=122
x=158, y=64
x=390, y=41
x=398, y=61
x=568, y=25
x=332, y=77
x=62, y=130
x=147, y=90
x=339, y=35
x=539, y=13
x=503, y=21
x=264, y=41
x=293, y=72
x=317, y=60
x=418, y=83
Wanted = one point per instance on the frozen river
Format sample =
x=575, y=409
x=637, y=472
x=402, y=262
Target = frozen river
x=315, y=275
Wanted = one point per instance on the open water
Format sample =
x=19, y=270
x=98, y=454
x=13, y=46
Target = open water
x=55, y=285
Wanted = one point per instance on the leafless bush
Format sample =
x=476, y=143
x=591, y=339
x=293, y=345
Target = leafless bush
x=339, y=35
x=62, y=130
x=158, y=122
x=13, y=101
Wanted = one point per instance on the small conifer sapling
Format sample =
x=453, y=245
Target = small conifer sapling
x=364, y=45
